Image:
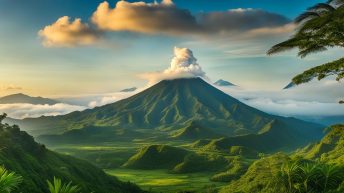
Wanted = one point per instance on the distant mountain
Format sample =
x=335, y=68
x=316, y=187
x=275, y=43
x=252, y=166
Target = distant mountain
x=36, y=164
x=171, y=105
x=132, y=89
x=290, y=85
x=223, y=83
x=22, y=98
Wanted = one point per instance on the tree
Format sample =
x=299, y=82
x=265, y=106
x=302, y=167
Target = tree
x=58, y=187
x=320, y=27
x=310, y=177
x=8, y=180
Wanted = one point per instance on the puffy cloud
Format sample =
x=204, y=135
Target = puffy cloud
x=143, y=17
x=111, y=98
x=184, y=62
x=102, y=101
x=66, y=33
x=24, y=110
x=183, y=65
x=166, y=18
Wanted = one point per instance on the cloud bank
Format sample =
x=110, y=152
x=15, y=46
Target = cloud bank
x=183, y=65
x=301, y=101
x=163, y=18
x=66, y=33
x=24, y=110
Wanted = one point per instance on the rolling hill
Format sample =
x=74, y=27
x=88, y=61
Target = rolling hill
x=156, y=157
x=275, y=136
x=330, y=149
x=22, y=98
x=36, y=164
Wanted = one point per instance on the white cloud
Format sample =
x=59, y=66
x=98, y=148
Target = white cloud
x=24, y=110
x=103, y=101
x=111, y=98
x=317, y=98
x=66, y=33
x=183, y=65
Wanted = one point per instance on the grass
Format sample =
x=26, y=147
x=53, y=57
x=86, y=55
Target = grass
x=162, y=181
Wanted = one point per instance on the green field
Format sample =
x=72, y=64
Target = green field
x=162, y=181
x=111, y=156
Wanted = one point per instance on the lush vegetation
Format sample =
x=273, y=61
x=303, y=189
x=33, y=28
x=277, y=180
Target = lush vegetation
x=8, y=180
x=36, y=164
x=321, y=172
x=303, y=176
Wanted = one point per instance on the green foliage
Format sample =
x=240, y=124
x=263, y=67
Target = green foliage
x=259, y=177
x=8, y=180
x=58, y=187
x=310, y=177
x=21, y=154
x=330, y=149
x=322, y=71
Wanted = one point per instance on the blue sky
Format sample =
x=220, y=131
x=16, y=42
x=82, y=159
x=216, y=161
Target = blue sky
x=117, y=64
x=87, y=62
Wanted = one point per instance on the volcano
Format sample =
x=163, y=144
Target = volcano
x=167, y=107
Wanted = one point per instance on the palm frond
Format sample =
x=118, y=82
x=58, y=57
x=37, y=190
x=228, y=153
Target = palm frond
x=283, y=46
x=8, y=180
x=336, y=2
x=311, y=49
x=322, y=71
x=306, y=16
x=58, y=187
x=322, y=6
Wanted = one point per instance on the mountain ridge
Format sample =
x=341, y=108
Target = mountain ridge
x=23, y=98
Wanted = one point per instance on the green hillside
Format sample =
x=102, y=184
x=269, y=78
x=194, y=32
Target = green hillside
x=194, y=131
x=157, y=157
x=330, y=149
x=274, y=136
x=258, y=176
x=36, y=164
x=314, y=163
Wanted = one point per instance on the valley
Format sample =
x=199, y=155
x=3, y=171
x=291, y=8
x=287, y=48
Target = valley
x=178, y=135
